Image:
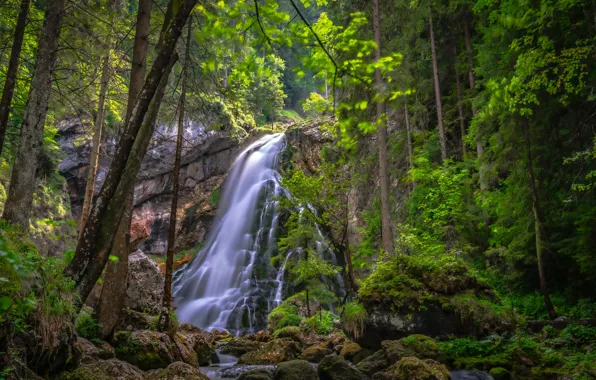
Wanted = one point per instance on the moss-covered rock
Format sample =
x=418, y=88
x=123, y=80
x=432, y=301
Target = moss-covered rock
x=145, y=349
x=257, y=374
x=240, y=346
x=316, y=352
x=273, y=352
x=295, y=370
x=196, y=346
x=417, y=345
x=104, y=370
x=499, y=373
x=291, y=332
x=350, y=350
x=177, y=371
x=334, y=367
x=411, y=368
x=91, y=352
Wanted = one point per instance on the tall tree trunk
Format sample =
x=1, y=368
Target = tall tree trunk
x=22, y=180
x=410, y=146
x=92, y=249
x=97, y=131
x=538, y=224
x=387, y=235
x=483, y=178
x=442, y=139
x=13, y=68
x=164, y=318
x=113, y=293
x=460, y=103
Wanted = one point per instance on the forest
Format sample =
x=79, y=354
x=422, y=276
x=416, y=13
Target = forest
x=298, y=189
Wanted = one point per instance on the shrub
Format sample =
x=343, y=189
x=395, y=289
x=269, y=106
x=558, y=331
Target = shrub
x=353, y=317
x=87, y=326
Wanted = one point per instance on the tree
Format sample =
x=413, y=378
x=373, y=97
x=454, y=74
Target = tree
x=113, y=295
x=164, y=317
x=93, y=248
x=437, y=85
x=23, y=179
x=387, y=235
x=460, y=105
x=13, y=68
x=97, y=131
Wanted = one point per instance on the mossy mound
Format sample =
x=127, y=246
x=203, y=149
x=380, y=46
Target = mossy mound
x=273, y=352
x=177, y=371
x=104, y=370
x=412, y=368
x=295, y=370
x=145, y=349
x=334, y=367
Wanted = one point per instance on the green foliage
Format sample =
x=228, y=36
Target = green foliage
x=87, y=326
x=321, y=323
x=286, y=314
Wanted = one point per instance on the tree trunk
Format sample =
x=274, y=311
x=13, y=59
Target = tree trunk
x=97, y=130
x=460, y=105
x=538, y=225
x=92, y=249
x=307, y=305
x=113, y=294
x=387, y=235
x=164, y=318
x=409, y=141
x=22, y=181
x=433, y=49
x=13, y=68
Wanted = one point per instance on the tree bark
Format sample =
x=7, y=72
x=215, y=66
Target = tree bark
x=92, y=250
x=97, y=131
x=460, y=105
x=113, y=294
x=13, y=68
x=442, y=139
x=410, y=146
x=164, y=318
x=22, y=181
x=387, y=235
x=538, y=225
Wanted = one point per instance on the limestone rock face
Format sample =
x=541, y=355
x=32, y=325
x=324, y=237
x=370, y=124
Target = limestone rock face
x=207, y=155
x=144, y=291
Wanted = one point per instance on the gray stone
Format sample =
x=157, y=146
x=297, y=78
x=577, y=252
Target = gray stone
x=144, y=291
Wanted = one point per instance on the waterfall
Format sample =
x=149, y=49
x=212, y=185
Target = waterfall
x=231, y=284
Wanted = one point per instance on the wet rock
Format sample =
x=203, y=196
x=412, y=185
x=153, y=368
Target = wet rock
x=145, y=284
x=295, y=370
x=411, y=368
x=196, y=346
x=316, y=352
x=131, y=320
x=273, y=352
x=236, y=371
x=105, y=370
x=221, y=335
x=177, y=371
x=334, y=367
x=240, y=346
x=145, y=349
x=476, y=375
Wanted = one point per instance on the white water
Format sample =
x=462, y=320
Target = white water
x=218, y=289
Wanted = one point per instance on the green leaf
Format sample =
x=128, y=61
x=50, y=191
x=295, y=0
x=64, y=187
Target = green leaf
x=113, y=258
x=5, y=303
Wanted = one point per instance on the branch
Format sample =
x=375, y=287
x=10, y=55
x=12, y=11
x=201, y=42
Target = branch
x=261, y=25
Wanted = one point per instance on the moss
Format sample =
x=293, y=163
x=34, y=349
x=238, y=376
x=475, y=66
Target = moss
x=321, y=323
x=286, y=314
x=353, y=317
x=412, y=368
x=499, y=373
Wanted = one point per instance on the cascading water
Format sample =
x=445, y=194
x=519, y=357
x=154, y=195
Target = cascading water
x=230, y=284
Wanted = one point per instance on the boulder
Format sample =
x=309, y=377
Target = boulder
x=236, y=372
x=295, y=370
x=273, y=352
x=350, y=350
x=145, y=284
x=316, y=352
x=292, y=332
x=177, y=371
x=411, y=368
x=240, y=346
x=145, y=349
x=131, y=320
x=195, y=345
x=92, y=352
x=334, y=367
x=111, y=369
x=257, y=374
x=417, y=345
x=377, y=362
